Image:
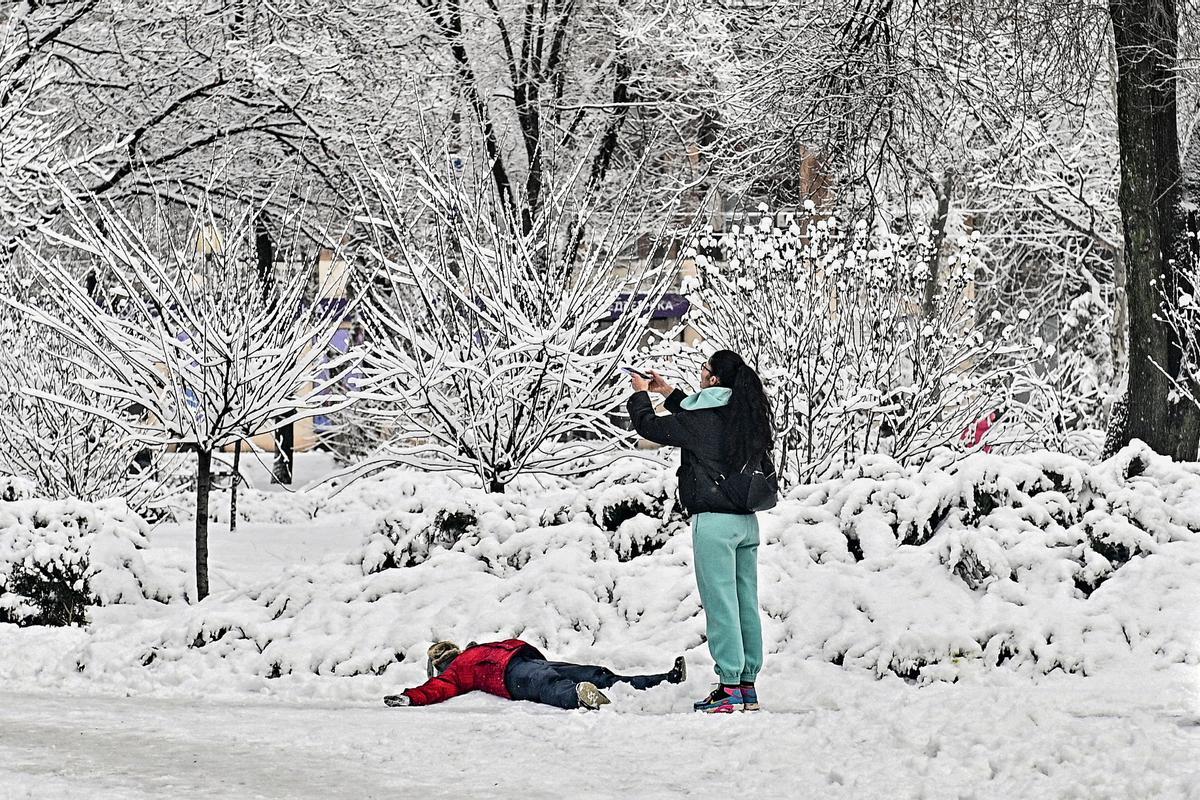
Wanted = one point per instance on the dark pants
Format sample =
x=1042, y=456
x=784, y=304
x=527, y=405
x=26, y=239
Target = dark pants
x=553, y=682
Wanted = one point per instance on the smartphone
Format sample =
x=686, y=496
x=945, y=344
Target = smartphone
x=638, y=372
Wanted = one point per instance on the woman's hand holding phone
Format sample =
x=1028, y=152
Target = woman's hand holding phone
x=658, y=384
x=648, y=381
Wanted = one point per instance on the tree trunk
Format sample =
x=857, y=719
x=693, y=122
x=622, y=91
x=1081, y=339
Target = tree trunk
x=495, y=486
x=1146, y=36
x=264, y=252
x=929, y=302
x=203, y=484
x=1120, y=321
x=234, y=480
x=284, y=444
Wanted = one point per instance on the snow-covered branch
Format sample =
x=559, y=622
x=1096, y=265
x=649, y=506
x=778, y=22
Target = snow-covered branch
x=193, y=328
x=49, y=436
x=855, y=357
x=496, y=349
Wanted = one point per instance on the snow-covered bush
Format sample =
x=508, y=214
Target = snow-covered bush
x=14, y=488
x=1083, y=368
x=408, y=532
x=495, y=349
x=628, y=504
x=634, y=498
x=860, y=348
x=60, y=557
x=1056, y=555
x=1032, y=563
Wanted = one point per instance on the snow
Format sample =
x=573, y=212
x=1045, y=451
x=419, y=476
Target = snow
x=830, y=734
x=1004, y=626
x=95, y=549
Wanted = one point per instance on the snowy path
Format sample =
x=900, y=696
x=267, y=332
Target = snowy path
x=946, y=742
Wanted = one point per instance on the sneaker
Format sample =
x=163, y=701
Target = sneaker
x=723, y=700
x=749, y=698
x=589, y=696
x=678, y=673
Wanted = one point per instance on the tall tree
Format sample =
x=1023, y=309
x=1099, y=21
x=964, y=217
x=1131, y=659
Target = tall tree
x=536, y=87
x=1146, y=34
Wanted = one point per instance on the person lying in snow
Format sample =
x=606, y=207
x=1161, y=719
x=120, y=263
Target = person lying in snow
x=516, y=670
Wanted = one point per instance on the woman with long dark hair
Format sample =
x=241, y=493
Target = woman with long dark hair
x=722, y=430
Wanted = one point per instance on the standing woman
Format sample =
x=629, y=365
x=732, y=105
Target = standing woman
x=720, y=429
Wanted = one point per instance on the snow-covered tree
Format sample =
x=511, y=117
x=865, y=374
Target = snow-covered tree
x=65, y=450
x=497, y=339
x=118, y=100
x=192, y=332
x=1083, y=369
x=853, y=358
x=537, y=87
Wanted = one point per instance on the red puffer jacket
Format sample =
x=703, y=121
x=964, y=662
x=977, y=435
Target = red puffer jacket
x=480, y=667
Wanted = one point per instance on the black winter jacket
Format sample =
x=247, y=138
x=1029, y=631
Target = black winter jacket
x=700, y=435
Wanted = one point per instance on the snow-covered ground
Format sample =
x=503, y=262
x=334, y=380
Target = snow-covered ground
x=1095, y=696
x=828, y=734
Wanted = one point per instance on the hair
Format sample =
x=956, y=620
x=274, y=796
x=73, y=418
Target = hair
x=441, y=654
x=748, y=423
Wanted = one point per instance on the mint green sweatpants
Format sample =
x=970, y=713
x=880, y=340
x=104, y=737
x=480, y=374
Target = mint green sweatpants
x=726, y=554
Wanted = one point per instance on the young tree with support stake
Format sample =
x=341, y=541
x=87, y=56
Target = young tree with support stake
x=212, y=354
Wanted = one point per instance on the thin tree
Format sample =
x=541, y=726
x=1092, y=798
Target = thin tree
x=210, y=355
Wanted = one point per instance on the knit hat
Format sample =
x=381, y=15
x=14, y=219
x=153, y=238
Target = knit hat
x=440, y=656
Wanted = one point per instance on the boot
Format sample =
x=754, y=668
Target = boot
x=723, y=700
x=589, y=696
x=678, y=673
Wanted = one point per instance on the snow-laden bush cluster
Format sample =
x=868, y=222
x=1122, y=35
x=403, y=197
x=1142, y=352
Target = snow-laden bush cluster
x=60, y=557
x=1041, y=561
x=1031, y=563
x=629, y=502
x=863, y=343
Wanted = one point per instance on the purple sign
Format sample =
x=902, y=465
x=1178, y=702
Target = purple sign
x=341, y=341
x=670, y=306
x=326, y=306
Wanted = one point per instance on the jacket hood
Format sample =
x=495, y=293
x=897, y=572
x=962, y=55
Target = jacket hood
x=712, y=397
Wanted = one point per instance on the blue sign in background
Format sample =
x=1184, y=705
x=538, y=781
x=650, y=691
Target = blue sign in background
x=671, y=306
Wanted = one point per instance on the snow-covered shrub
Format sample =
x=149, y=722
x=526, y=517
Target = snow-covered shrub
x=1047, y=545
x=1083, y=370
x=49, y=438
x=494, y=347
x=60, y=557
x=634, y=498
x=627, y=505
x=408, y=532
x=14, y=488
x=860, y=348
x=1031, y=563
